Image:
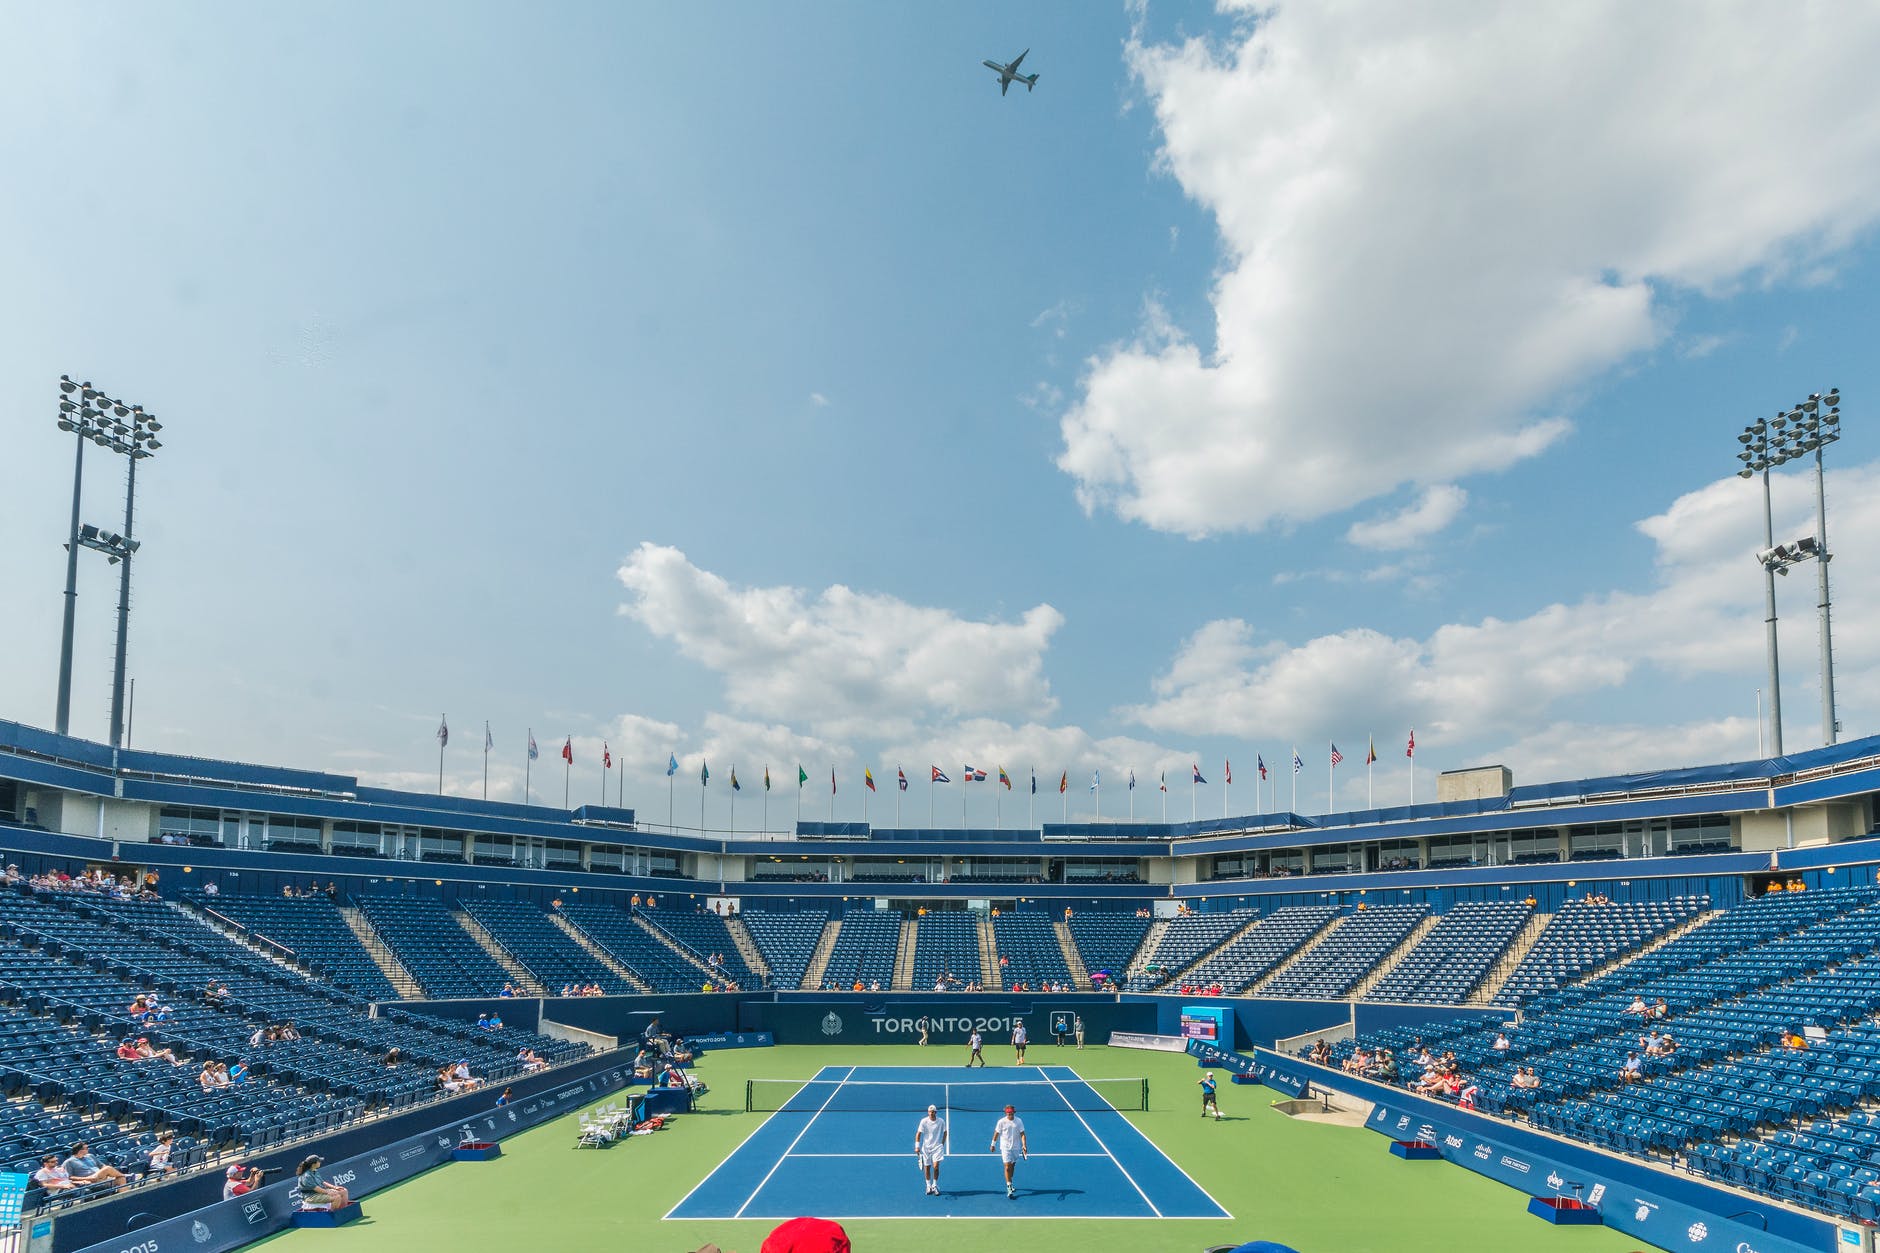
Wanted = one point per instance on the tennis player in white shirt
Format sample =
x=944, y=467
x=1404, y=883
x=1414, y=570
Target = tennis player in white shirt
x=1008, y=1137
x=930, y=1146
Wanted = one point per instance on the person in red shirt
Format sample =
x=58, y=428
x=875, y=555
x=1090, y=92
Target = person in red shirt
x=241, y=1180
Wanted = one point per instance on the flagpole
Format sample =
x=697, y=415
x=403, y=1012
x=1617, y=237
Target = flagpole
x=443, y=738
x=897, y=796
x=1096, y=786
x=966, y=782
x=766, y=799
x=1132, y=796
x=567, y=774
x=1413, y=765
x=526, y=764
x=486, y=761
x=1227, y=791
x=832, y=792
x=1293, y=805
x=1032, y=794
x=1163, y=784
x=930, y=790
x=703, y=779
x=1370, y=755
x=864, y=797
x=669, y=775
x=734, y=800
x=998, y=809
x=1194, y=795
x=1330, y=767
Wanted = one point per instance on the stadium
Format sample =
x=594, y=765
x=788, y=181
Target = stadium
x=942, y=535
x=1741, y=896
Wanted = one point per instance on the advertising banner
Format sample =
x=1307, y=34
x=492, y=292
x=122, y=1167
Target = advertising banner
x=1628, y=1197
x=1221, y=1059
x=731, y=1040
x=950, y=1020
x=233, y=1223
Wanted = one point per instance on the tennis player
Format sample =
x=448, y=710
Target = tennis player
x=930, y=1145
x=1019, y=1039
x=1207, y=1096
x=975, y=1041
x=1008, y=1137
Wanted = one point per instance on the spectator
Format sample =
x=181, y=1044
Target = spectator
x=315, y=1192
x=393, y=1056
x=1660, y=1009
x=238, y=1073
x=84, y=1168
x=288, y=1032
x=146, y=1052
x=158, y=1163
x=239, y=1180
x=509, y=989
x=496, y=1022
x=1633, y=1071
x=1322, y=1053
x=51, y=1176
x=1638, y=1007
x=1501, y=1041
x=483, y=1022
x=127, y=1050
x=504, y=1098
x=216, y=993
x=1387, y=1068
x=332, y=891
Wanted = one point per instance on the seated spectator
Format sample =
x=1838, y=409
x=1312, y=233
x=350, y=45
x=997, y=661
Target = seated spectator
x=483, y=1022
x=1633, y=1071
x=239, y=1180
x=1660, y=1009
x=461, y=1073
x=530, y=1059
x=145, y=1051
x=1432, y=1082
x=1465, y=1098
x=509, y=989
x=238, y=1073
x=643, y=1062
x=1386, y=1068
x=393, y=1056
x=313, y=1189
x=84, y=1168
x=1501, y=1041
x=216, y=993
x=1793, y=1039
x=496, y=1022
x=288, y=1032
x=1524, y=1078
x=1638, y=1007
x=1322, y=1053
x=158, y=1162
x=207, y=1078
x=51, y=1176
x=1358, y=1062
x=127, y=1050
x=259, y=1037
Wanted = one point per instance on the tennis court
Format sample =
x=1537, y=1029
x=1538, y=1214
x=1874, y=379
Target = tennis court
x=846, y=1138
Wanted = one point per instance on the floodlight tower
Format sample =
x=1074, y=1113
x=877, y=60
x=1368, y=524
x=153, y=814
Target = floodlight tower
x=128, y=430
x=1808, y=427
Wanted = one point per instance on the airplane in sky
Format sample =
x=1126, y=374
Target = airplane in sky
x=1008, y=74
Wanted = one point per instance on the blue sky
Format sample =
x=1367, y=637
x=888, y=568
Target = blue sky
x=554, y=370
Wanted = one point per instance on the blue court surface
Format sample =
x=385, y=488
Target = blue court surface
x=843, y=1147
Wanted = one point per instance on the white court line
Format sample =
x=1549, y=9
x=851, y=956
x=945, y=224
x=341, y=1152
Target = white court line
x=1100, y=1144
x=1165, y=1157
x=949, y=1156
x=733, y=1153
x=799, y=1139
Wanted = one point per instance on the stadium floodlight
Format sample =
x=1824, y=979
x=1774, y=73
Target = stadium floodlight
x=1799, y=431
x=124, y=429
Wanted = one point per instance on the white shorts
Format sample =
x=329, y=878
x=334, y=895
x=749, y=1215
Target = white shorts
x=1008, y=1156
x=932, y=1157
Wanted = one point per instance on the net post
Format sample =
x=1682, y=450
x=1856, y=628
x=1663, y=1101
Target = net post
x=749, y=1090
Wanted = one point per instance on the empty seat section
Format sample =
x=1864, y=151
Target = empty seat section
x=1029, y=951
x=311, y=928
x=1261, y=950
x=429, y=942
x=706, y=935
x=787, y=941
x=1586, y=935
x=1187, y=938
x=1455, y=957
x=1107, y=941
x=533, y=940
x=1348, y=954
x=865, y=949
x=648, y=956
x=945, y=945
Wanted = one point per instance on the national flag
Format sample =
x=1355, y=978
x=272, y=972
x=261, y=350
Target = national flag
x=672, y=765
x=1096, y=780
x=970, y=775
x=704, y=774
x=900, y=778
x=1034, y=781
x=939, y=776
x=1064, y=782
x=1164, y=784
x=1229, y=775
x=534, y=753
x=735, y=786
x=1371, y=753
x=1005, y=778
x=802, y=776
x=1132, y=779
x=1297, y=764
x=488, y=743
x=567, y=750
x=1410, y=749
x=607, y=756
x=1336, y=755
x=832, y=780
x=766, y=778
x=868, y=778
x=1259, y=761
x=443, y=731
x=1197, y=769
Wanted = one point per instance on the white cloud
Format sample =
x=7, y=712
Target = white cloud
x=1437, y=219
x=819, y=400
x=1435, y=509
x=840, y=660
x=1697, y=347
x=1476, y=684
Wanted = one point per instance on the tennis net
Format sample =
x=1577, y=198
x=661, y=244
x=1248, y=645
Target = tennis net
x=833, y=1096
